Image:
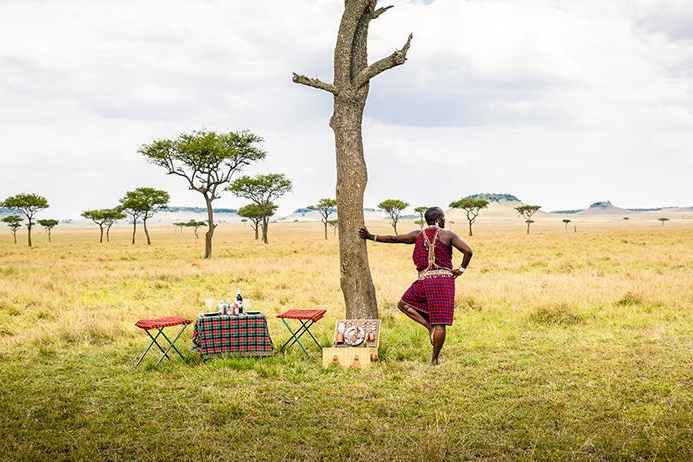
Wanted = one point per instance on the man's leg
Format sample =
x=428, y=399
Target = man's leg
x=415, y=315
x=438, y=337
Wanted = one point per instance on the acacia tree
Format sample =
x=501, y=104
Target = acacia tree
x=262, y=190
x=14, y=223
x=566, y=221
x=393, y=208
x=49, y=224
x=663, y=220
x=420, y=211
x=471, y=208
x=207, y=161
x=195, y=225
x=325, y=207
x=29, y=205
x=335, y=225
x=256, y=213
x=143, y=203
x=350, y=86
x=526, y=212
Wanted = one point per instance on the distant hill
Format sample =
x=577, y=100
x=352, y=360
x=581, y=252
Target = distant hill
x=603, y=208
x=198, y=210
x=494, y=197
x=567, y=212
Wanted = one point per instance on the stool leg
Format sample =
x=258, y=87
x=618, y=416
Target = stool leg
x=311, y=334
x=172, y=345
x=153, y=342
x=293, y=339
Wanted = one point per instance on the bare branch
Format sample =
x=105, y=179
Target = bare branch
x=380, y=11
x=315, y=83
x=395, y=59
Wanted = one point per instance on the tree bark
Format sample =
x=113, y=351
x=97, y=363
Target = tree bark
x=325, y=223
x=146, y=231
x=352, y=75
x=28, y=227
x=134, y=230
x=108, y=233
x=101, y=235
x=14, y=233
x=210, y=227
x=352, y=175
x=265, y=225
x=49, y=235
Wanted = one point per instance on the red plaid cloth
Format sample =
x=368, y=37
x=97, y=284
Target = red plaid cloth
x=313, y=315
x=166, y=321
x=434, y=296
x=245, y=335
x=420, y=256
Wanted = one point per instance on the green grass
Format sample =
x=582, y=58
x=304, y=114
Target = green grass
x=555, y=354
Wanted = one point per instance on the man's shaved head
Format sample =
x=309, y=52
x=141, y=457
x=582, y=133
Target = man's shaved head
x=433, y=214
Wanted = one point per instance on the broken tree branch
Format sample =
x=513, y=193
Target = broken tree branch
x=395, y=59
x=380, y=11
x=315, y=83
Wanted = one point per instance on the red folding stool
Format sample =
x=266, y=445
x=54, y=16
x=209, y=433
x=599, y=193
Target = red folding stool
x=159, y=324
x=307, y=318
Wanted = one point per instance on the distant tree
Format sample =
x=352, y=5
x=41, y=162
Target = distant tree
x=179, y=225
x=420, y=211
x=29, y=205
x=261, y=190
x=471, y=208
x=325, y=207
x=49, y=224
x=663, y=220
x=13, y=221
x=626, y=218
x=393, y=207
x=195, y=224
x=526, y=212
x=207, y=161
x=143, y=203
x=335, y=225
x=566, y=221
x=104, y=218
x=256, y=214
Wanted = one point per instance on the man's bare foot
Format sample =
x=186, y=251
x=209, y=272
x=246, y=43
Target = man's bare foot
x=434, y=362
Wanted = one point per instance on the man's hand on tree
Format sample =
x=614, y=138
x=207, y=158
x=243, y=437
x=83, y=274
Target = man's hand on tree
x=364, y=234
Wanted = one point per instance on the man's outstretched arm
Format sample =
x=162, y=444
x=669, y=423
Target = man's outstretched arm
x=409, y=238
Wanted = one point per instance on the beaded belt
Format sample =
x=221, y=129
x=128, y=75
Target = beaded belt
x=433, y=273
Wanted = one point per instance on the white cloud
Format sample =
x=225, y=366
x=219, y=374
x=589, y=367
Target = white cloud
x=561, y=103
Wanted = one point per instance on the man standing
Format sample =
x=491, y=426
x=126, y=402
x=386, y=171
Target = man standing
x=430, y=300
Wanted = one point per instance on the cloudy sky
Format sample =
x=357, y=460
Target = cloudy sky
x=560, y=102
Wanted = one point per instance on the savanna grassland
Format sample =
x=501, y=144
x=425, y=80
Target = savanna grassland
x=566, y=346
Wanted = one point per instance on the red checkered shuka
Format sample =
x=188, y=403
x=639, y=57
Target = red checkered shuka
x=434, y=296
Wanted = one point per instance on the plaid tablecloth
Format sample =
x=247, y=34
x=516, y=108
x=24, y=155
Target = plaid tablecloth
x=245, y=335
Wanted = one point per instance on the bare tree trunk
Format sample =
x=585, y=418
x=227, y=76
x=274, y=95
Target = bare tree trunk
x=470, y=227
x=101, y=235
x=265, y=225
x=14, y=233
x=134, y=230
x=352, y=75
x=146, y=231
x=355, y=280
x=28, y=227
x=210, y=227
x=49, y=235
x=108, y=233
x=527, y=228
x=325, y=223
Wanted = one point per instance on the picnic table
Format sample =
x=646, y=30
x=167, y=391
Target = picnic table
x=243, y=335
